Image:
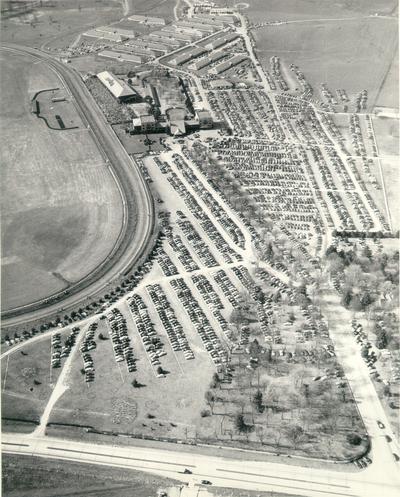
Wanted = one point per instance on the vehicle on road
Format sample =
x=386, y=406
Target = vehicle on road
x=206, y=482
x=396, y=457
x=187, y=472
x=388, y=438
x=381, y=425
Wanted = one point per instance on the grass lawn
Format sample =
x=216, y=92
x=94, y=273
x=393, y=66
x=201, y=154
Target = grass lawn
x=390, y=169
x=387, y=135
x=59, y=200
x=266, y=10
x=335, y=52
x=28, y=380
x=389, y=92
x=57, y=26
x=25, y=476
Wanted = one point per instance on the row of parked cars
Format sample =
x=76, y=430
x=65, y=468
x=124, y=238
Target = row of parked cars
x=88, y=342
x=195, y=240
x=165, y=263
x=172, y=326
x=228, y=253
x=218, y=212
x=60, y=351
x=210, y=340
x=121, y=341
x=151, y=341
x=228, y=288
x=180, y=250
x=88, y=367
x=207, y=292
x=274, y=178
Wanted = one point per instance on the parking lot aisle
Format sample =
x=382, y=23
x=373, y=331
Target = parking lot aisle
x=120, y=372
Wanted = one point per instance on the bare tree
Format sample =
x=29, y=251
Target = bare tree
x=260, y=434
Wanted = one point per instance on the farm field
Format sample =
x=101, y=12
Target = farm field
x=338, y=53
x=73, y=207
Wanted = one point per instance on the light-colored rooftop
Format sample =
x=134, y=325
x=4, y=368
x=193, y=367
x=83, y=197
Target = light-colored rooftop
x=116, y=86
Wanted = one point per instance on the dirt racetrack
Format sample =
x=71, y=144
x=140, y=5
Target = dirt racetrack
x=62, y=210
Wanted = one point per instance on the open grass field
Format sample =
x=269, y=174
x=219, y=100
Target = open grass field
x=390, y=169
x=59, y=201
x=335, y=52
x=27, y=382
x=56, y=24
x=25, y=476
x=387, y=135
x=388, y=95
x=159, y=8
x=267, y=10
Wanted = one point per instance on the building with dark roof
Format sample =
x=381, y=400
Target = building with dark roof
x=187, y=55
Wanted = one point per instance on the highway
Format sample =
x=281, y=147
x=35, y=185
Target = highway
x=137, y=232
x=221, y=471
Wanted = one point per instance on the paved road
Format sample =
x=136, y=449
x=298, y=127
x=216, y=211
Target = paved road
x=357, y=373
x=221, y=471
x=136, y=238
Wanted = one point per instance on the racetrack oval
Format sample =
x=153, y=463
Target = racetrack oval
x=102, y=234
x=62, y=210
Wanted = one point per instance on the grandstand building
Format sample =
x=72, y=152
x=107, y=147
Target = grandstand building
x=118, y=88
